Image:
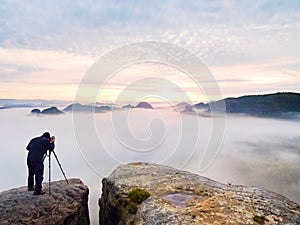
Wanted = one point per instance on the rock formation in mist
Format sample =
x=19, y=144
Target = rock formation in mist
x=128, y=106
x=150, y=194
x=201, y=105
x=36, y=111
x=184, y=107
x=181, y=105
x=67, y=205
x=52, y=110
x=144, y=105
x=49, y=111
x=77, y=107
x=188, y=109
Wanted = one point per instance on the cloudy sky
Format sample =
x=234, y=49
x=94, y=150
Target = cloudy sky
x=46, y=47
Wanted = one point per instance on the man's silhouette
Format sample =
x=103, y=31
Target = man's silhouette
x=37, y=150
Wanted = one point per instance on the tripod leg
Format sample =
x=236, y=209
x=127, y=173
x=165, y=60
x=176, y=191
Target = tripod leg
x=60, y=167
x=49, y=173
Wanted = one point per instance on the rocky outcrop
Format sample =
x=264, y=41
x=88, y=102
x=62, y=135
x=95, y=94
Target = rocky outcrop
x=180, y=106
x=128, y=106
x=180, y=197
x=76, y=107
x=52, y=111
x=66, y=205
x=36, y=111
x=201, y=105
x=184, y=107
x=49, y=111
x=144, y=105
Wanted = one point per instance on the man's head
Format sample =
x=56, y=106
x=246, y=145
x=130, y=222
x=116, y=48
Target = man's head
x=46, y=135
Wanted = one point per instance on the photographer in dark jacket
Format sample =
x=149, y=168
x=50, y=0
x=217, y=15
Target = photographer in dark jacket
x=38, y=148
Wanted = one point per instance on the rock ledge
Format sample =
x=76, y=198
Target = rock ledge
x=66, y=205
x=180, y=197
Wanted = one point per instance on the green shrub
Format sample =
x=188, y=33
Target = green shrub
x=259, y=219
x=138, y=195
x=132, y=208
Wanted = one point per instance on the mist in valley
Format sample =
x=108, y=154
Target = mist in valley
x=262, y=152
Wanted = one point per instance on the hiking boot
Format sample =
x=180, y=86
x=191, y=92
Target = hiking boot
x=38, y=192
x=30, y=189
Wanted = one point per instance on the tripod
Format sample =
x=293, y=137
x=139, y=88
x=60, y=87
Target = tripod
x=50, y=169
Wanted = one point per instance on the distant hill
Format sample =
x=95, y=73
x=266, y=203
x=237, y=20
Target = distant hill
x=36, y=111
x=128, y=106
x=17, y=105
x=144, y=105
x=49, y=111
x=263, y=104
x=77, y=107
x=181, y=105
x=188, y=109
x=52, y=110
x=184, y=107
x=23, y=103
x=201, y=105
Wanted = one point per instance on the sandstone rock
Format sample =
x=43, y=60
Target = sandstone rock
x=66, y=205
x=180, y=197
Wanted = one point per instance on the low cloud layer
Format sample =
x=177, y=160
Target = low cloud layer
x=255, y=151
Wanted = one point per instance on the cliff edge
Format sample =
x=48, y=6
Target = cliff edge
x=67, y=204
x=149, y=194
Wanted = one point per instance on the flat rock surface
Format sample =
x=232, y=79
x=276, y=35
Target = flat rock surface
x=67, y=204
x=180, y=197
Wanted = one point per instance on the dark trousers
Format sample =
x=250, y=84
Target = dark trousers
x=35, y=169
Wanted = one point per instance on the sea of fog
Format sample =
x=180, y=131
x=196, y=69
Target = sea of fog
x=260, y=152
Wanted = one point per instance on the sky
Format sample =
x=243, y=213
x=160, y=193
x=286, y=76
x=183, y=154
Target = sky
x=46, y=47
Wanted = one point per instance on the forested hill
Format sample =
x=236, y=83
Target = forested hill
x=264, y=104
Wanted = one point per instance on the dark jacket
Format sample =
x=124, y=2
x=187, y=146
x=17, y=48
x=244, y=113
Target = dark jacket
x=37, y=148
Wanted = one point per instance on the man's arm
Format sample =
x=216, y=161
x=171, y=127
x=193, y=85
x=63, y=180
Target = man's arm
x=48, y=145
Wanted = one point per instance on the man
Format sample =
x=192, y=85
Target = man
x=38, y=148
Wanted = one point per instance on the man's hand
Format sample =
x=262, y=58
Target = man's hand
x=52, y=139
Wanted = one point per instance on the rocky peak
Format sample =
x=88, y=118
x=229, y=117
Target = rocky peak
x=49, y=111
x=66, y=205
x=144, y=105
x=180, y=197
